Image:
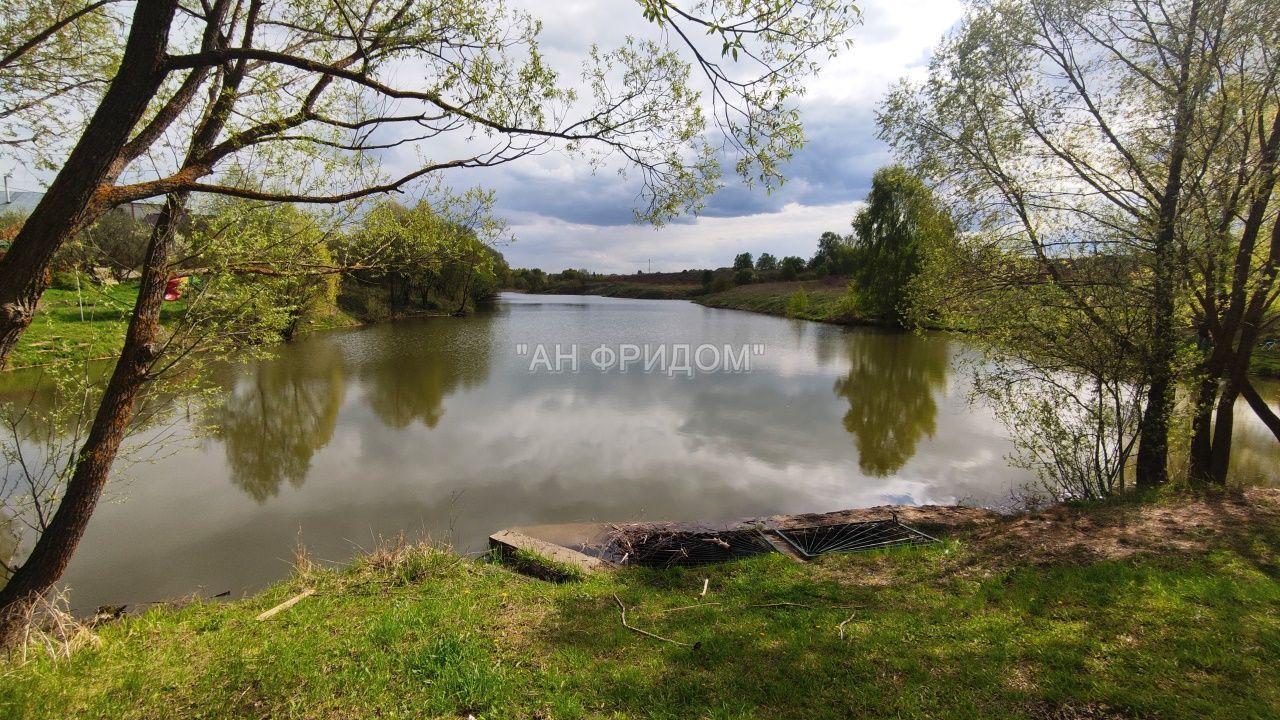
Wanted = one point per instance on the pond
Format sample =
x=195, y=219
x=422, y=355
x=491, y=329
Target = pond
x=455, y=428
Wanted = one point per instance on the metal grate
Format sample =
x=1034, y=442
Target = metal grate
x=853, y=537
x=672, y=549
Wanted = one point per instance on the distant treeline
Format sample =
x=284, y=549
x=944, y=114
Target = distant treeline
x=890, y=238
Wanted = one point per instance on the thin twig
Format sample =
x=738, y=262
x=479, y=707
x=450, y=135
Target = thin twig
x=686, y=607
x=623, y=608
x=846, y=622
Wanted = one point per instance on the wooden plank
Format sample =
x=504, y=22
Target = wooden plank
x=285, y=605
x=506, y=541
x=781, y=545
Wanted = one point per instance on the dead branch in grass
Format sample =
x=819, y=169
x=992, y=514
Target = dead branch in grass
x=623, y=609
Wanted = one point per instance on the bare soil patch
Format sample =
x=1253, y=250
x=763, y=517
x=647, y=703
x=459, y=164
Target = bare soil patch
x=1065, y=533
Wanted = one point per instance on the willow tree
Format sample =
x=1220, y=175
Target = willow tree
x=208, y=94
x=1062, y=131
x=893, y=233
x=56, y=56
x=332, y=73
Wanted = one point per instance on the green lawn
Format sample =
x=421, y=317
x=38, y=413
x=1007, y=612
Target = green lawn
x=71, y=325
x=950, y=631
x=90, y=324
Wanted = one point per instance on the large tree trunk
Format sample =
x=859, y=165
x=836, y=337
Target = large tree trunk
x=73, y=201
x=1153, y=432
x=1153, y=448
x=1201, y=449
x=52, y=552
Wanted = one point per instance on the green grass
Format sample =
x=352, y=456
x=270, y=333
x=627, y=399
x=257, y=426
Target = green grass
x=58, y=333
x=90, y=324
x=1265, y=363
x=826, y=300
x=535, y=564
x=931, y=633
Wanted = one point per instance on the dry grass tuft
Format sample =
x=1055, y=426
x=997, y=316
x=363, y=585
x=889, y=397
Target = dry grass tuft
x=51, y=630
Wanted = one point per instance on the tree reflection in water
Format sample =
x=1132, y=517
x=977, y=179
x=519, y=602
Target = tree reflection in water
x=890, y=389
x=409, y=374
x=277, y=414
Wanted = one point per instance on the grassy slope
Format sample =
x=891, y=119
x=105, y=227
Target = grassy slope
x=771, y=298
x=945, y=632
x=58, y=333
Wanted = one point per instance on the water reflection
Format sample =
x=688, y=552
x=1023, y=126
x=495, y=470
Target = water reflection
x=277, y=414
x=405, y=382
x=438, y=426
x=890, y=389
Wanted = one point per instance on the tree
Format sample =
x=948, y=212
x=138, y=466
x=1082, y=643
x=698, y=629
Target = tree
x=790, y=267
x=55, y=56
x=766, y=263
x=486, y=81
x=835, y=255
x=118, y=242
x=324, y=89
x=743, y=261
x=900, y=220
x=1061, y=131
x=1231, y=235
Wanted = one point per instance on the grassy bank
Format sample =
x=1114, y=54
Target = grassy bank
x=1072, y=615
x=89, y=323
x=824, y=300
x=824, y=297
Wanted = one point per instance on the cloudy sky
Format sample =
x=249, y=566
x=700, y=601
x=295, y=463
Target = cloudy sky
x=563, y=216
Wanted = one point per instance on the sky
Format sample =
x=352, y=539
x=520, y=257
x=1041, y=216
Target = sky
x=563, y=216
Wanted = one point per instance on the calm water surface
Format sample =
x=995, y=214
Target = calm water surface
x=437, y=426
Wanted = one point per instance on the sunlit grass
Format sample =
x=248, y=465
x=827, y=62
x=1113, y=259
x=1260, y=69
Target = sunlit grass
x=931, y=633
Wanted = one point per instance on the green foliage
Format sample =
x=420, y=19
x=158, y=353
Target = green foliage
x=1075, y=432
x=10, y=223
x=48, y=91
x=542, y=567
x=766, y=263
x=745, y=276
x=835, y=255
x=790, y=267
x=263, y=270
x=721, y=282
x=117, y=242
x=798, y=303
x=528, y=279
x=900, y=222
x=743, y=261
x=426, y=258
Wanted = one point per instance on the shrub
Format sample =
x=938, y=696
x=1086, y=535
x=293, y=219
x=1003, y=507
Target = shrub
x=798, y=303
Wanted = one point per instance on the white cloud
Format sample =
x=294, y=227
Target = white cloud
x=825, y=182
x=706, y=242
